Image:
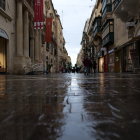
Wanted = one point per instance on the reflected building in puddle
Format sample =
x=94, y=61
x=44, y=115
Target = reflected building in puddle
x=30, y=111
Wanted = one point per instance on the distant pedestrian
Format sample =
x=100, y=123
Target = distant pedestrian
x=87, y=65
x=94, y=66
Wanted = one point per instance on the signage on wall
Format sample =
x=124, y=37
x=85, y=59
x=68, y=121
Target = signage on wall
x=130, y=24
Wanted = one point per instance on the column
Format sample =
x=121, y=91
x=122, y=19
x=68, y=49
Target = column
x=36, y=45
x=40, y=44
x=26, y=34
x=19, y=29
x=32, y=42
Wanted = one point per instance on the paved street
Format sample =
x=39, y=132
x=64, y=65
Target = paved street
x=70, y=107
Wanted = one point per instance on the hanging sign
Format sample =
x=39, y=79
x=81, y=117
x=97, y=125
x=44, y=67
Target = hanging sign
x=38, y=14
x=49, y=30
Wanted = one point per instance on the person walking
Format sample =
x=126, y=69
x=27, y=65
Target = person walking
x=94, y=66
x=87, y=65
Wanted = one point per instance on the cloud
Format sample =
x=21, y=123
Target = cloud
x=73, y=15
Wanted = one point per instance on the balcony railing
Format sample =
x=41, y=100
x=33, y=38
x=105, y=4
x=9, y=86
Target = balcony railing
x=96, y=26
x=108, y=39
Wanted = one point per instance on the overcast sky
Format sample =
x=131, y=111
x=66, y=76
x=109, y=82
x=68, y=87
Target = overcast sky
x=73, y=15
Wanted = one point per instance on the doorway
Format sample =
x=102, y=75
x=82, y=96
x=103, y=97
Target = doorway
x=3, y=55
x=117, y=61
x=101, y=64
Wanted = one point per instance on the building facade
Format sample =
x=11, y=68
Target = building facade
x=55, y=54
x=127, y=48
x=114, y=33
x=7, y=35
x=23, y=48
x=20, y=43
x=28, y=40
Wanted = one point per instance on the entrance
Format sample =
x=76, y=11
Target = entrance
x=3, y=55
x=106, y=63
x=117, y=61
x=101, y=64
x=138, y=53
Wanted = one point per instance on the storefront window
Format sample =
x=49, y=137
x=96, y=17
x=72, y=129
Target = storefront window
x=111, y=62
x=129, y=66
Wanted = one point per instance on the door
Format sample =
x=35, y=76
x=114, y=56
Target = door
x=117, y=61
x=105, y=63
x=101, y=64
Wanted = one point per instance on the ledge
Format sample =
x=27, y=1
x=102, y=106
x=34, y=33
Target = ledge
x=2, y=12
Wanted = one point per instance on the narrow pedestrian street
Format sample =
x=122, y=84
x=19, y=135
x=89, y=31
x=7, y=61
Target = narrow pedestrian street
x=70, y=107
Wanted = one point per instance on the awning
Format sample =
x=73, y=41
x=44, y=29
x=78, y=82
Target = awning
x=3, y=34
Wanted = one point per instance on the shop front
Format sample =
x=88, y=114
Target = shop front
x=117, y=61
x=103, y=60
x=111, y=61
x=135, y=56
x=129, y=58
x=3, y=51
x=101, y=64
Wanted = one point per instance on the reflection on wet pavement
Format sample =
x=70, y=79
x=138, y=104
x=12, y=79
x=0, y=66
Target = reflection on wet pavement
x=70, y=107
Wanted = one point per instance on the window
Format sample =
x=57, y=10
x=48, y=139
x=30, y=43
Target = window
x=47, y=5
x=105, y=31
x=111, y=26
x=106, y=7
x=47, y=46
x=2, y=4
x=108, y=33
x=51, y=15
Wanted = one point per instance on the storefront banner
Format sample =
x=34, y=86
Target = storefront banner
x=38, y=14
x=49, y=30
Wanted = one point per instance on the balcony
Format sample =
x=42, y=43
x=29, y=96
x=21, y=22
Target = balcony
x=96, y=26
x=108, y=39
x=96, y=31
x=106, y=10
x=108, y=33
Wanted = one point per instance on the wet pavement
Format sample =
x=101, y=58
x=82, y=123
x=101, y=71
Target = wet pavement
x=70, y=107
